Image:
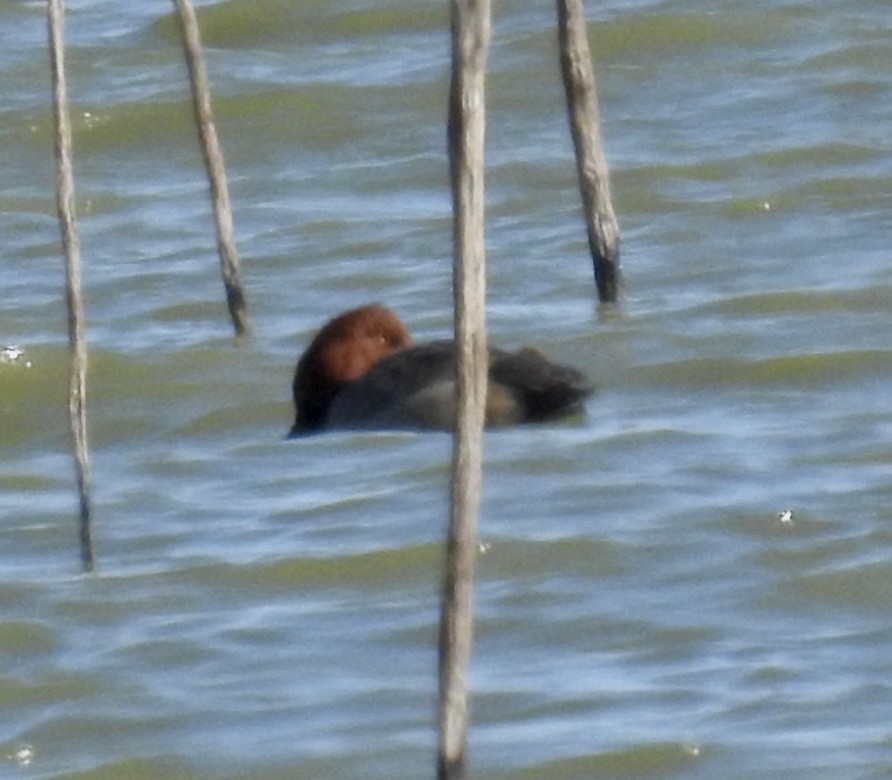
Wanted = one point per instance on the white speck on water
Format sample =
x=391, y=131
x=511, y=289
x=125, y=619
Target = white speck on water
x=13, y=354
x=22, y=756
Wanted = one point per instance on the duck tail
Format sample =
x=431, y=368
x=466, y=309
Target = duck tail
x=545, y=389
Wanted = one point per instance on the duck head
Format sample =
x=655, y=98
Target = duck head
x=341, y=352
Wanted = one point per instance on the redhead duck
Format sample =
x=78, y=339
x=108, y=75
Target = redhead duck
x=362, y=370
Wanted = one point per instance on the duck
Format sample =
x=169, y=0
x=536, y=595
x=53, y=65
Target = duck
x=362, y=370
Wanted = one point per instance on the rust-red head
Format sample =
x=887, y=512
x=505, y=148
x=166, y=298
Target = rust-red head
x=342, y=351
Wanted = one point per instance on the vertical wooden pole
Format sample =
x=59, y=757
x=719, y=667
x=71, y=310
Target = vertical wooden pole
x=77, y=382
x=470, y=43
x=591, y=164
x=213, y=158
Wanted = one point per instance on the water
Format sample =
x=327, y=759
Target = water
x=267, y=608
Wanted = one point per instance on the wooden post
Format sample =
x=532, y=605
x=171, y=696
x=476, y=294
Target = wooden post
x=470, y=43
x=591, y=164
x=213, y=158
x=77, y=381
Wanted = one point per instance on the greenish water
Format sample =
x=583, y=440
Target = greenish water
x=266, y=608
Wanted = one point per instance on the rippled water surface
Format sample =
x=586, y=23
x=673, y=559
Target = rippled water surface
x=266, y=608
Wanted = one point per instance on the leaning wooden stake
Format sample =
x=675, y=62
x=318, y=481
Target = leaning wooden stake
x=77, y=382
x=470, y=42
x=213, y=158
x=591, y=164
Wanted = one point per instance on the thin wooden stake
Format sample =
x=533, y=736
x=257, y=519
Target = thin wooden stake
x=213, y=158
x=470, y=43
x=591, y=164
x=77, y=382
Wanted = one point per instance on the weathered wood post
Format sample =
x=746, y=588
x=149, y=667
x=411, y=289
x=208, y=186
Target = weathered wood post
x=77, y=372
x=591, y=164
x=213, y=158
x=470, y=43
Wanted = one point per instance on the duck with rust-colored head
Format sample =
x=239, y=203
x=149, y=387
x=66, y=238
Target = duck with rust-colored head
x=362, y=370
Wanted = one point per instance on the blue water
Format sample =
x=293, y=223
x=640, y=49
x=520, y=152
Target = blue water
x=268, y=609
